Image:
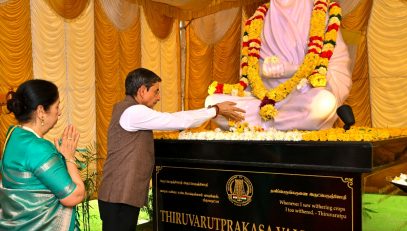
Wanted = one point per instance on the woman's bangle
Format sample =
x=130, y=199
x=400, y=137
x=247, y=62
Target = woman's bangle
x=72, y=161
x=216, y=108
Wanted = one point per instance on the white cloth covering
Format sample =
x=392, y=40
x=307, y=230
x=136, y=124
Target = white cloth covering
x=285, y=34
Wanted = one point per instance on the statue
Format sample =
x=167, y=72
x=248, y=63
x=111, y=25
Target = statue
x=295, y=67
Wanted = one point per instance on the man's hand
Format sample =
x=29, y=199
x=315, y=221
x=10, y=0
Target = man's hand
x=229, y=111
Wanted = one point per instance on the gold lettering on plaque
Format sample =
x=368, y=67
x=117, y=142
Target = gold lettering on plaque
x=216, y=223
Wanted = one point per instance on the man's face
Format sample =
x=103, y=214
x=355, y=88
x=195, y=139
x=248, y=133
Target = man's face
x=152, y=95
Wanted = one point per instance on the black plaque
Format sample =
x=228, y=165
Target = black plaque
x=207, y=198
x=262, y=186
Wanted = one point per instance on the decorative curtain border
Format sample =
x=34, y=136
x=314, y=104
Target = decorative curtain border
x=68, y=9
x=190, y=12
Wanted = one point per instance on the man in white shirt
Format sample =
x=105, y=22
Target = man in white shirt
x=130, y=158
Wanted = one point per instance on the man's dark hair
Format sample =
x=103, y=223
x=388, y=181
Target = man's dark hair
x=139, y=77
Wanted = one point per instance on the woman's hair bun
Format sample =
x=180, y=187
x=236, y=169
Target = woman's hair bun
x=15, y=105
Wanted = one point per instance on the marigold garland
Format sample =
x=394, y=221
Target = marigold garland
x=318, y=76
x=354, y=134
x=243, y=131
x=320, y=49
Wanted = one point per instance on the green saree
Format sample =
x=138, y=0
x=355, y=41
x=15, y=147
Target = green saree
x=34, y=179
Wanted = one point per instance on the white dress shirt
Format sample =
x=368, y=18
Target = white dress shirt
x=141, y=117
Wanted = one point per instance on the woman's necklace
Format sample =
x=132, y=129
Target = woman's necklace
x=314, y=68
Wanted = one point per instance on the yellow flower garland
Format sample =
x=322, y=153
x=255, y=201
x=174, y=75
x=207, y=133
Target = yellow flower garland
x=318, y=77
x=354, y=134
x=333, y=134
x=314, y=66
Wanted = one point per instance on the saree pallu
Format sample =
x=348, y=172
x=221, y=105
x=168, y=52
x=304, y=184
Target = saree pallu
x=22, y=209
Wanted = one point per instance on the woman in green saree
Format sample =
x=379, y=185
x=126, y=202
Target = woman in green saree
x=40, y=183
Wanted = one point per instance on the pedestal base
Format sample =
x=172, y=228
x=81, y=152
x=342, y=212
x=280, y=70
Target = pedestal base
x=220, y=185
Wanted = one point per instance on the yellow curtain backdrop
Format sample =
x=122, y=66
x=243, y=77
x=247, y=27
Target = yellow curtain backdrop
x=122, y=14
x=163, y=57
x=212, y=28
x=160, y=25
x=68, y=9
x=388, y=63
x=354, y=27
x=116, y=53
x=15, y=53
x=63, y=52
x=206, y=63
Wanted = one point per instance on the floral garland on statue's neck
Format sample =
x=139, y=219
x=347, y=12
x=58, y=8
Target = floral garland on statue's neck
x=314, y=68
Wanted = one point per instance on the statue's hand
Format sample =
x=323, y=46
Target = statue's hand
x=273, y=68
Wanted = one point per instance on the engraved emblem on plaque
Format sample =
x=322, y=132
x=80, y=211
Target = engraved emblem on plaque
x=239, y=190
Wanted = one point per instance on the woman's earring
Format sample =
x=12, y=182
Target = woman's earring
x=42, y=121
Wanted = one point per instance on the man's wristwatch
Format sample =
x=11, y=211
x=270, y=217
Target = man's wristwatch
x=216, y=107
